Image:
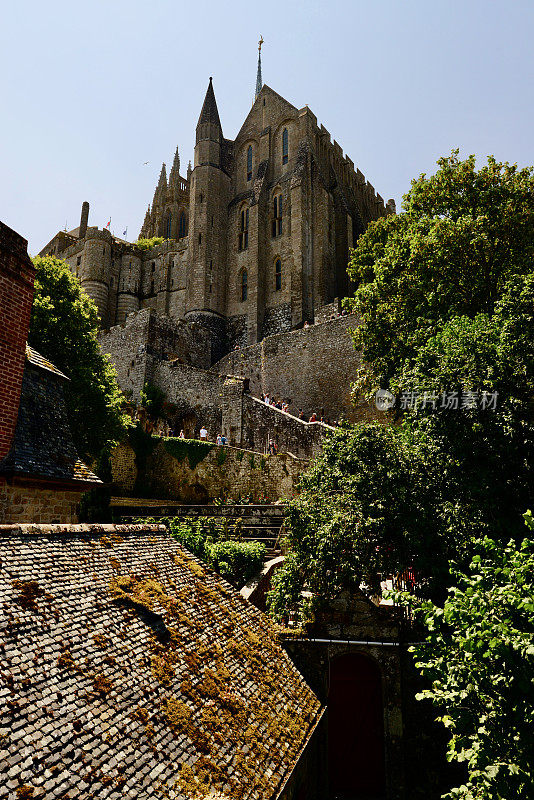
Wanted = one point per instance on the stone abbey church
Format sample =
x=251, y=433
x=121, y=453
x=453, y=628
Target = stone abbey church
x=257, y=234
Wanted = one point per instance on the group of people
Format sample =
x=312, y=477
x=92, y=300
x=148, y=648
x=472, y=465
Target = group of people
x=220, y=439
x=282, y=405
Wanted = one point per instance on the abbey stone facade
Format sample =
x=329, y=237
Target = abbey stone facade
x=257, y=233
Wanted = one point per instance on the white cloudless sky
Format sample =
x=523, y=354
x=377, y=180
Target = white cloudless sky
x=90, y=91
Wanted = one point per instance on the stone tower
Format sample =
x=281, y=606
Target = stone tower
x=208, y=211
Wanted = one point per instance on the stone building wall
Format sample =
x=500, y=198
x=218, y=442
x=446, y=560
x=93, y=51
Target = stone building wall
x=228, y=472
x=145, y=340
x=20, y=503
x=312, y=367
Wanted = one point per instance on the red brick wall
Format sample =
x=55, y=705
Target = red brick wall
x=16, y=294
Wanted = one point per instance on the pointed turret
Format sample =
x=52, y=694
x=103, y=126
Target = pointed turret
x=174, y=175
x=146, y=230
x=161, y=188
x=209, y=124
x=189, y=171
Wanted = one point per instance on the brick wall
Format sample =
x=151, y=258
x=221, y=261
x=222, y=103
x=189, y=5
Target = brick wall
x=16, y=295
x=224, y=473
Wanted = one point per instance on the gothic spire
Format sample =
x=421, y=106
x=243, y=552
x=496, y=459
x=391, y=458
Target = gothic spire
x=259, y=82
x=161, y=188
x=174, y=174
x=209, y=113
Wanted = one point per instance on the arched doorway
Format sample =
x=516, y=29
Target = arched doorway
x=356, y=757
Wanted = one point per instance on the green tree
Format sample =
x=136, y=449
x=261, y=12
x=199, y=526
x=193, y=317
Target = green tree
x=462, y=236
x=478, y=657
x=63, y=328
x=373, y=504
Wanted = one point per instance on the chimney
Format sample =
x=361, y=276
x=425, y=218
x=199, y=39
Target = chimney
x=84, y=219
x=17, y=274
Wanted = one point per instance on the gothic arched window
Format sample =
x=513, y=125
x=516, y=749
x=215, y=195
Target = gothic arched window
x=278, y=275
x=168, y=223
x=249, y=163
x=182, y=225
x=285, y=146
x=243, y=228
x=244, y=285
x=277, y=215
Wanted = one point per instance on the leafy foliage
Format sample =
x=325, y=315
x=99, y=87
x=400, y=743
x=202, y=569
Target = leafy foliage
x=152, y=399
x=462, y=236
x=148, y=244
x=64, y=327
x=372, y=504
x=208, y=539
x=195, y=450
x=478, y=657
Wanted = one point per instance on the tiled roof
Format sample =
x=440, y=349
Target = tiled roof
x=130, y=670
x=42, y=446
x=38, y=360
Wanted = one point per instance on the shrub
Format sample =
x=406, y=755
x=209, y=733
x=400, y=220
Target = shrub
x=238, y=562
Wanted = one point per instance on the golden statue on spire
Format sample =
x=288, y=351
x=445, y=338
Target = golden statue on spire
x=260, y=43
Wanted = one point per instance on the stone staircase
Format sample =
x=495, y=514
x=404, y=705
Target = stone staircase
x=258, y=523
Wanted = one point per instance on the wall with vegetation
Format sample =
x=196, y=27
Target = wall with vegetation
x=194, y=472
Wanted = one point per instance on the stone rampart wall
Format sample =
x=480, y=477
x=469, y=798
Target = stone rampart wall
x=145, y=340
x=262, y=423
x=227, y=472
x=312, y=367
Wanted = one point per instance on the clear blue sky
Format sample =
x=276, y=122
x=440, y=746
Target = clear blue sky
x=92, y=90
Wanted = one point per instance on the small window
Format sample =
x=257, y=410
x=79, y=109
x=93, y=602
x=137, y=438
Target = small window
x=111, y=284
x=78, y=261
x=285, y=146
x=249, y=163
x=278, y=275
x=200, y=238
x=277, y=215
x=244, y=285
x=153, y=266
x=168, y=223
x=201, y=197
x=243, y=229
x=152, y=287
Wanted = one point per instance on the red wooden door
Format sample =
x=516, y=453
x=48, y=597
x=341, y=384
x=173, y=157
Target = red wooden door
x=356, y=728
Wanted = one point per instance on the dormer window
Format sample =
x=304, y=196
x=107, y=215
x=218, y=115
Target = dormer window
x=285, y=146
x=249, y=163
x=243, y=228
x=277, y=215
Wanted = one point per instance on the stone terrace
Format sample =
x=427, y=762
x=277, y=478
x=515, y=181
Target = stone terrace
x=130, y=670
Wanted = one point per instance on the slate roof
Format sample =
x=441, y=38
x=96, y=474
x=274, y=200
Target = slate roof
x=42, y=446
x=130, y=670
x=209, y=112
